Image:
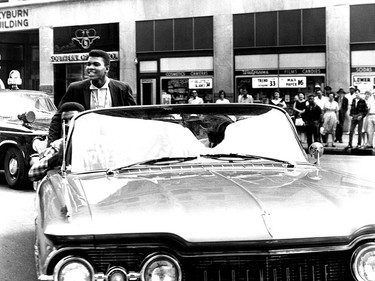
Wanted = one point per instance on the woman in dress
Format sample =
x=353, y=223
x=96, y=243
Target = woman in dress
x=330, y=118
x=277, y=100
x=299, y=108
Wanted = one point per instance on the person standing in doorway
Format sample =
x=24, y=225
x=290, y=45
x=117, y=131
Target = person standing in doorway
x=98, y=91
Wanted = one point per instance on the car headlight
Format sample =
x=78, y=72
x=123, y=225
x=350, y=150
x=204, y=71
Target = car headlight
x=161, y=268
x=72, y=269
x=364, y=262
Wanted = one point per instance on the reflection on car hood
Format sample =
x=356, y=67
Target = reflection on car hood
x=39, y=126
x=223, y=205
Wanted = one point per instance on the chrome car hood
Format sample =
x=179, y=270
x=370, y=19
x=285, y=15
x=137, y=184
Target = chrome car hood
x=210, y=204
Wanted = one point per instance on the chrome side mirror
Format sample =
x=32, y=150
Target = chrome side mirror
x=316, y=151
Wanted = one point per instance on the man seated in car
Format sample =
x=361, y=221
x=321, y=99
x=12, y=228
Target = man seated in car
x=52, y=156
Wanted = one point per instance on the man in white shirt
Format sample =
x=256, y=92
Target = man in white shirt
x=244, y=96
x=320, y=99
x=195, y=99
x=98, y=91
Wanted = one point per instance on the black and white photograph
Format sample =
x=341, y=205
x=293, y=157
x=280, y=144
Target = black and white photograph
x=171, y=140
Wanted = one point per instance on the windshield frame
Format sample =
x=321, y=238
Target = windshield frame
x=148, y=111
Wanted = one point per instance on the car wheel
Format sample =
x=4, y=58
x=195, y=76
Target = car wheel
x=15, y=171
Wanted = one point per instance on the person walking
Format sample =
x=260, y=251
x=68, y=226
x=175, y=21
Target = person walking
x=330, y=118
x=98, y=91
x=342, y=102
x=358, y=111
x=311, y=117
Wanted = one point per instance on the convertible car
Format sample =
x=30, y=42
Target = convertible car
x=24, y=120
x=212, y=192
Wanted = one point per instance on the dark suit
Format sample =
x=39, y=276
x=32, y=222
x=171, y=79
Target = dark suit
x=343, y=108
x=121, y=95
x=358, y=111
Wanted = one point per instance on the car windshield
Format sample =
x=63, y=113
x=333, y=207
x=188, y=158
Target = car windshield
x=112, y=138
x=13, y=103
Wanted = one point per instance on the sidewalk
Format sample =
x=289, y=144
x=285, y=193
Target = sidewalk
x=340, y=147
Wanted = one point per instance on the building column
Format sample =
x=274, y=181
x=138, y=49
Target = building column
x=223, y=54
x=128, y=67
x=338, y=46
x=46, y=77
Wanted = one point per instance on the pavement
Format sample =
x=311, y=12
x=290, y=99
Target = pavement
x=340, y=148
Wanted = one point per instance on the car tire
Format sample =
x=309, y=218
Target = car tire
x=15, y=170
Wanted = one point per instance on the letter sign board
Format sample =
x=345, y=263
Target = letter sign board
x=202, y=83
x=292, y=82
x=265, y=82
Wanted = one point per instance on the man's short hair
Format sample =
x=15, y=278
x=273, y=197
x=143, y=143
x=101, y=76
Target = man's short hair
x=311, y=96
x=100, y=54
x=71, y=106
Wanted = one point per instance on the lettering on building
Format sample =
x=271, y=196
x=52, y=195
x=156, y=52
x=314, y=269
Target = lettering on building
x=79, y=57
x=16, y=18
x=175, y=74
x=255, y=72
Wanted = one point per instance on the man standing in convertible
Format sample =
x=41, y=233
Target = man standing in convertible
x=98, y=91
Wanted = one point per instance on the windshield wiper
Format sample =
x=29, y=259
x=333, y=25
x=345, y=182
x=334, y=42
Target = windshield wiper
x=162, y=160
x=244, y=157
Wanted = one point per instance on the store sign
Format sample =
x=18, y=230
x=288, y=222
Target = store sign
x=363, y=69
x=204, y=83
x=364, y=82
x=79, y=57
x=265, y=82
x=292, y=82
x=80, y=38
x=14, y=19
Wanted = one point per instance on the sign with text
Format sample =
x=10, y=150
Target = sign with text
x=78, y=57
x=14, y=19
x=265, y=82
x=292, y=82
x=202, y=83
x=364, y=82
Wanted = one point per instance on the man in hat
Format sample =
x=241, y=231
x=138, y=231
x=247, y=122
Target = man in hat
x=343, y=108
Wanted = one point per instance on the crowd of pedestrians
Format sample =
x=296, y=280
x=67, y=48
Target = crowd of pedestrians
x=322, y=116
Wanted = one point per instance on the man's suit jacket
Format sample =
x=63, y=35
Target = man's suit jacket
x=121, y=95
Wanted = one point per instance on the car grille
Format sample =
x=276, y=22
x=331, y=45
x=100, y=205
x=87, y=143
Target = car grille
x=327, y=266
x=324, y=267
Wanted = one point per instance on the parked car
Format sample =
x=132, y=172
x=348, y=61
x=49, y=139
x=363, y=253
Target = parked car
x=24, y=120
x=199, y=192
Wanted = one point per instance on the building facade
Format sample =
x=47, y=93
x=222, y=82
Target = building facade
x=168, y=48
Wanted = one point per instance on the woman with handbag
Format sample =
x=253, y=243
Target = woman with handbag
x=299, y=108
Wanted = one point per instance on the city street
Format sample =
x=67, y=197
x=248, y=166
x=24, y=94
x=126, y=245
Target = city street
x=17, y=225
